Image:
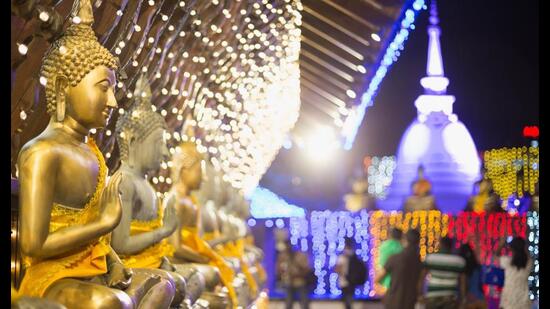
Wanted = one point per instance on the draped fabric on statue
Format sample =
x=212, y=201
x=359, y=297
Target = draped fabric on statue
x=190, y=237
x=235, y=249
x=87, y=261
x=150, y=257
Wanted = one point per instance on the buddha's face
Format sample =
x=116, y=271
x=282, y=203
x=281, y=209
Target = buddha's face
x=152, y=149
x=192, y=176
x=91, y=101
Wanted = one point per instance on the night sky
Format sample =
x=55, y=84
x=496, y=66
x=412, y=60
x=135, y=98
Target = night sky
x=490, y=55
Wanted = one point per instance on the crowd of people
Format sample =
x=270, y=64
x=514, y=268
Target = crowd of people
x=451, y=278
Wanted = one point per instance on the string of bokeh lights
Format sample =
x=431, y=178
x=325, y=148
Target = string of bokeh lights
x=392, y=53
x=241, y=91
x=322, y=234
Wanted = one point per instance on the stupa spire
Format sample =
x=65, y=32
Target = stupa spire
x=435, y=80
x=435, y=61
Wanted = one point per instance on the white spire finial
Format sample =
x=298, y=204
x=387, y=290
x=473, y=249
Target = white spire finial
x=433, y=13
x=435, y=83
x=435, y=61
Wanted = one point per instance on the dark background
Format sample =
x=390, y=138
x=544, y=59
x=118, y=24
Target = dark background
x=491, y=57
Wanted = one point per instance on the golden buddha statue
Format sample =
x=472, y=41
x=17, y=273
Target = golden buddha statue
x=359, y=198
x=422, y=198
x=211, y=193
x=484, y=199
x=189, y=246
x=232, y=216
x=140, y=239
x=65, y=220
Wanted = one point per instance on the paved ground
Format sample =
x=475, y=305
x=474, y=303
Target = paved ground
x=277, y=304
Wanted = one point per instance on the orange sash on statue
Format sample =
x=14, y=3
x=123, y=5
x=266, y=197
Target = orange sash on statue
x=190, y=237
x=83, y=262
x=236, y=250
x=150, y=257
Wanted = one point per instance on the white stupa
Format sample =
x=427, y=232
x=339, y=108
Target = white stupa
x=436, y=139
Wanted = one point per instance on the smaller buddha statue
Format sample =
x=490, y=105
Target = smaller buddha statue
x=359, y=199
x=421, y=198
x=67, y=207
x=140, y=239
x=189, y=246
x=211, y=193
x=485, y=199
x=233, y=250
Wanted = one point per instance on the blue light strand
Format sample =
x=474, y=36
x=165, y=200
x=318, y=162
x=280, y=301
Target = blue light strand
x=533, y=246
x=265, y=204
x=328, y=231
x=391, y=55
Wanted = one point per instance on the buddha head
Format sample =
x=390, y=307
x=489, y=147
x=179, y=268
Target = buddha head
x=80, y=73
x=187, y=166
x=141, y=132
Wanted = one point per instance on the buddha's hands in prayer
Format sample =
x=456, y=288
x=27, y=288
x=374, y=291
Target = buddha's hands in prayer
x=111, y=203
x=170, y=220
x=119, y=277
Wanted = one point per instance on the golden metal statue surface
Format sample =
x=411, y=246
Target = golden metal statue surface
x=188, y=243
x=141, y=236
x=67, y=209
x=422, y=198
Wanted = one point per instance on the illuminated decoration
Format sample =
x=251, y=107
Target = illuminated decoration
x=487, y=230
x=323, y=233
x=533, y=247
x=328, y=230
x=266, y=204
x=531, y=131
x=513, y=171
x=229, y=70
x=431, y=224
x=436, y=139
x=357, y=113
x=380, y=175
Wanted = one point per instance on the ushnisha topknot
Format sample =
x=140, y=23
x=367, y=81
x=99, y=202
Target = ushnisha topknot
x=139, y=121
x=75, y=53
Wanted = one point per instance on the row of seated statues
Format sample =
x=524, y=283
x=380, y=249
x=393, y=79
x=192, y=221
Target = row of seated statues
x=483, y=199
x=90, y=240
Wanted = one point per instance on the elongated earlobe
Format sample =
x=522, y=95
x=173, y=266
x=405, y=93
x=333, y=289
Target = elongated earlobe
x=60, y=83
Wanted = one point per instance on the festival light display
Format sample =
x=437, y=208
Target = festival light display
x=513, y=170
x=487, y=230
x=431, y=224
x=266, y=204
x=228, y=70
x=380, y=175
x=322, y=233
x=393, y=51
x=533, y=247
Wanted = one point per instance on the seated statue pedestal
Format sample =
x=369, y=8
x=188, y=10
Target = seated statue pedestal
x=414, y=203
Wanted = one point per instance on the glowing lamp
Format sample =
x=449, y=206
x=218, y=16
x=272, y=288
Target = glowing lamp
x=531, y=131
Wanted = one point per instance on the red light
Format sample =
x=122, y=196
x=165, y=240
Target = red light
x=531, y=131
